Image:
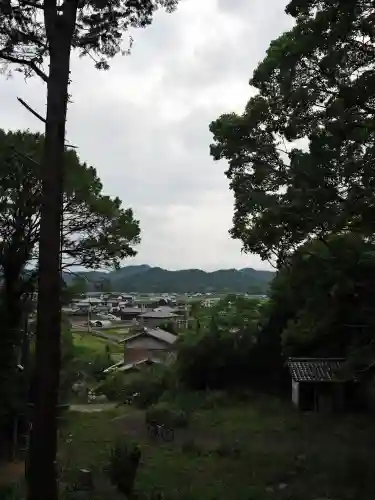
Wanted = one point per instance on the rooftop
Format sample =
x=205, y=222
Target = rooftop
x=156, y=333
x=123, y=367
x=158, y=314
x=316, y=369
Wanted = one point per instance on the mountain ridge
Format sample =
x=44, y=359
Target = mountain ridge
x=148, y=279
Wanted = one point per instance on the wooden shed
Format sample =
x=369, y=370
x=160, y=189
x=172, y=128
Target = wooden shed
x=319, y=384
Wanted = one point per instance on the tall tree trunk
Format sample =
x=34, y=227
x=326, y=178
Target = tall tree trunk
x=41, y=477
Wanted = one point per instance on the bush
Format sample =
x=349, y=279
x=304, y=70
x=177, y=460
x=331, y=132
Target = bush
x=97, y=366
x=112, y=387
x=123, y=465
x=166, y=414
x=149, y=384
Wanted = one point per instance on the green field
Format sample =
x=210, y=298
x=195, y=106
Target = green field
x=258, y=450
x=87, y=345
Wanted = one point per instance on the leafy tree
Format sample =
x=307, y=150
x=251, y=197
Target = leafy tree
x=315, y=85
x=96, y=231
x=220, y=357
x=237, y=311
x=321, y=302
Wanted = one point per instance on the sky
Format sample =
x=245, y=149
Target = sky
x=144, y=124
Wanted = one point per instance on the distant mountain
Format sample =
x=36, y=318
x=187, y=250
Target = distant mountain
x=146, y=279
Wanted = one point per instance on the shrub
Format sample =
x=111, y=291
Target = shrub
x=123, y=465
x=97, y=366
x=149, y=384
x=112, y=387
x=166, y=414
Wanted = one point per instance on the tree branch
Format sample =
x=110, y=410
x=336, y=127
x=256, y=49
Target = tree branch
x=24, y=62
x=29, y=108
x=40, y=117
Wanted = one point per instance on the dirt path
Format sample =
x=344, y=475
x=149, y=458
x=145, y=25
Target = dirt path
x=92, y=408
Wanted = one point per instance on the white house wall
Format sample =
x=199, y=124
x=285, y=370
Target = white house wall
x=295, y=393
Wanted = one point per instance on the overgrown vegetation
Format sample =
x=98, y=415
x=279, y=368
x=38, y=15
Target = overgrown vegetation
x=258, y=449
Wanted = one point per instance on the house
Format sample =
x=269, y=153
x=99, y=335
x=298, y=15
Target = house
x=130, y=313
x=157, y=317
x=149, y=343
x=165, y=314
x=320, y=384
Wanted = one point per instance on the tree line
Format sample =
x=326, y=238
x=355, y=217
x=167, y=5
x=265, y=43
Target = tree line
x=158, y=280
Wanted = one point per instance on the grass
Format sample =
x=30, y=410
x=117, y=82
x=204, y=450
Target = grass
x=87, y=345
x=257, y=450
x=121, y=331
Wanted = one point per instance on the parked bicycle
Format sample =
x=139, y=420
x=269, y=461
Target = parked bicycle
x=160, y=431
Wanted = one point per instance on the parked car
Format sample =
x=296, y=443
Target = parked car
x=102, y=323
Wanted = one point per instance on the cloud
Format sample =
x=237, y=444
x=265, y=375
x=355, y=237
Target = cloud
x=144, y=124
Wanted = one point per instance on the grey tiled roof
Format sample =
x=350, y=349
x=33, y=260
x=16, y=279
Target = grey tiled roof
x=132, y=310
x=157, y=333
x=316, y=369
x=160, y=334
x=158, y=314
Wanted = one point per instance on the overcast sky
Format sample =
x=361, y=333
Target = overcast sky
x=144, y=124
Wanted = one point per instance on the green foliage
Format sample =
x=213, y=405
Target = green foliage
x=148, y=383
x=215, y=358
x=323, y=298
x=99, y=27
x=237, y=312
x=123, y=465
x=99, y=363
x=315, y=84
x=164, y=413
x=97, y=231
x=113, y=386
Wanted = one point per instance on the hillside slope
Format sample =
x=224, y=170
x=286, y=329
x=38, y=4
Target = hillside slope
x=157, y=280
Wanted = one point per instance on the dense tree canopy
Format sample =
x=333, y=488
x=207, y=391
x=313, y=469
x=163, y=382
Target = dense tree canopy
x=321, y=302
x=316, y=87
x=97, y=231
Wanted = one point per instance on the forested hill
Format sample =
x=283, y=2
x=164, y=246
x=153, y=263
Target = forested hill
x=155, y=279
